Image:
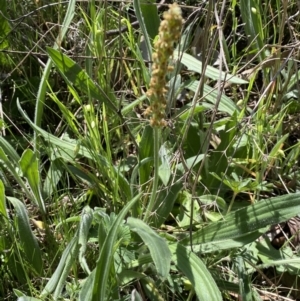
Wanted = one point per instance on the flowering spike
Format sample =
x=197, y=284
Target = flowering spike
x=169, y=32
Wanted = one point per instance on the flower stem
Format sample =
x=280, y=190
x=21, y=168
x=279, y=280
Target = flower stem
x=156, y=141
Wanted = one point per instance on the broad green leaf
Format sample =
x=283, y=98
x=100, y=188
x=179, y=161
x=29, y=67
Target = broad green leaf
x=87, y=288
x=58, y=279
x=187, y=111
x=30, y=168
x=140, y=18
x=75, y=75
x=195, y=65
x=195, y=270
x=126, y=276
x=107, y=253
x=11, y=167
x=27, y=239
x=240, y=226
x=9, y=150
x=84, y=227
x=164, y=204
x=157, y=246
x=211, y=95
x=2, y=200
x=146, y=151
x=190, y=162
x=150, y=15
x=53, y=177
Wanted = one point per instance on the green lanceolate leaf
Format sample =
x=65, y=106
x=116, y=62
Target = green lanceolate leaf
x=146, y=151
x=106, y=254
x=84, y=227
x=140, y=17
x=245, y=225
x=30, y=168
x=195, y=270
x=27, y=239
x=58, y=279
x=165, y=203
x=11, y=166
x=211, y=95
x=9, y=150
x=73, y=74
x=151, y=18
x=157, y=246
x=195, y=65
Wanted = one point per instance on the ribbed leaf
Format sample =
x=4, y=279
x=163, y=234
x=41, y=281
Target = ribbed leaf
x=195, y=65
x=146, y=151
x=157, y=246
x=211, y=95
x=84, y=227
x=11, y=166
x=58, y=279
x=27, y=239
x=165, y=203
x=242, y=226
x=151, y=18
x=87, y=288
x=140, y=18
x=107, y=253
x=195, y=270
x=9, y=150
x=30, y=168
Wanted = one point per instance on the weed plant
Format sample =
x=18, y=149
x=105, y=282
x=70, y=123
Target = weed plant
x=147, y=148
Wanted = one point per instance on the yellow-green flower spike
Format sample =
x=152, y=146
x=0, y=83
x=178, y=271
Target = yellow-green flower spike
x=169, y=33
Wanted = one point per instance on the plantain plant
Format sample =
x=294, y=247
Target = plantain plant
x=132, y=197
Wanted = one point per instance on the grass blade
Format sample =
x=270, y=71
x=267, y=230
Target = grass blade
x=2, y=200
x=75, y=75
x=43, y=84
